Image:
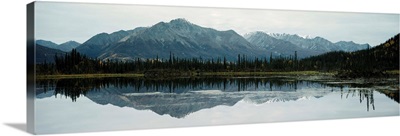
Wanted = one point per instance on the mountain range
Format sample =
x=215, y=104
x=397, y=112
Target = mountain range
x=179, y=37
x=184, y=39
x=46, y=54
x=66, y=47
x=287, y=44
x=319, y=43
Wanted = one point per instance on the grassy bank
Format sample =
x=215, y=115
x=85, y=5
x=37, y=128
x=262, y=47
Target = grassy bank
x=393, y=72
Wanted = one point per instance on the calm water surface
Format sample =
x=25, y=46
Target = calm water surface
x=80, y=105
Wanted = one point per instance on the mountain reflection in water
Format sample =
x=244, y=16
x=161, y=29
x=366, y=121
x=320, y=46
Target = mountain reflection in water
x=183, y=96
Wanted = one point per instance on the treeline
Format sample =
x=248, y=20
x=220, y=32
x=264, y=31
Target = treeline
x=76, y=63
x=369, y=62
x=372, y=60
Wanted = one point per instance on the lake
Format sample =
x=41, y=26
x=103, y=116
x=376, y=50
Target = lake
x=97, y=104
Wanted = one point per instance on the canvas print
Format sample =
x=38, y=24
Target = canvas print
x=98, y=67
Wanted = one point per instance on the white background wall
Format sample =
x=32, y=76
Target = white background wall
x=13, y=75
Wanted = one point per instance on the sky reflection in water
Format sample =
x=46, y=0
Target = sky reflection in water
x=80, y=105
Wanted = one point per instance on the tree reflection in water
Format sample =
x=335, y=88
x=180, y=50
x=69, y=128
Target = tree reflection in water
x=363, y=94
x=74, y=88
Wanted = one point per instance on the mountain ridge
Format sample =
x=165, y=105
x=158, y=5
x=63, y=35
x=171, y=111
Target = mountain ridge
x=66, y=46
x=46, y=54
x=184, y=39
x=319, y=43
x=179, y=37
x=287, y=44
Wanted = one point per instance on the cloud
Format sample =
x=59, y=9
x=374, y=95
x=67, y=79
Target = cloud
x=60, y=22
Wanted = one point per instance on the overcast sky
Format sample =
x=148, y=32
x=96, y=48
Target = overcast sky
x=61, y=22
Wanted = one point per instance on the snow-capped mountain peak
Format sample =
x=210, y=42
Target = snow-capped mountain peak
x=305, y=45
x=180, y=21
x=306, y=36
x=179, y=36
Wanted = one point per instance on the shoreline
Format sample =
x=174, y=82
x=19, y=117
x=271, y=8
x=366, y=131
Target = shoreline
x=201, y=74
